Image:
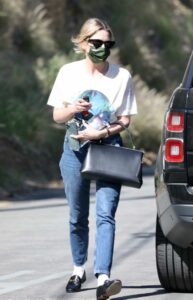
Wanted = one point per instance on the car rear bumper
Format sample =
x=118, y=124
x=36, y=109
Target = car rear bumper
x=177, y=219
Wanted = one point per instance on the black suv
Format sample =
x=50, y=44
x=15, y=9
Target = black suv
x=174, y=190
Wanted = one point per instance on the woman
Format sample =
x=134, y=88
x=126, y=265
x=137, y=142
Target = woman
x=89, y=95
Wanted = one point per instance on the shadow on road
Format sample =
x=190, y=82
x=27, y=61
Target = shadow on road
x=159, y=291
x=37, y=193
x=45, y=206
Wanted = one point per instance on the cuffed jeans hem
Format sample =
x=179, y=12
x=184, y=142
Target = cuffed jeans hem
x=79, y=265
x=101, y=272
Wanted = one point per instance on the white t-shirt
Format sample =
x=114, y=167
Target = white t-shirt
x=114, y=91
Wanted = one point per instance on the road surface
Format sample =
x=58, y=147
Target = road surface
x=35, y=255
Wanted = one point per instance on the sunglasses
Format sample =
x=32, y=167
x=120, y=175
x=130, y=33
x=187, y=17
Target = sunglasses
x=98, y=43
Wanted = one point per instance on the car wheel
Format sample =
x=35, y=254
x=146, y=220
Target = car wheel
x=174, y=264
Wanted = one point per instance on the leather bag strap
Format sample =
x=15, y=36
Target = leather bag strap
x=127, y=130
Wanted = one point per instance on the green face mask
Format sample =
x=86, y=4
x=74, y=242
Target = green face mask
x=98, y=55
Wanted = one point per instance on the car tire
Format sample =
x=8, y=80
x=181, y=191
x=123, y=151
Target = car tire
x=174, y=264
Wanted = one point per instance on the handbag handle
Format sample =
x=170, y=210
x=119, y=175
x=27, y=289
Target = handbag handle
x=125, y=128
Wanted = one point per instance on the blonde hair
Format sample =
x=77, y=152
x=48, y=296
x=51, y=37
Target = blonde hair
x=89, y=28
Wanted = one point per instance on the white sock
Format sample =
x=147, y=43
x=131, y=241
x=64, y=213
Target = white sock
x=79, y=270
x=101, y=279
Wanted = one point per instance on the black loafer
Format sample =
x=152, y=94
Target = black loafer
x=109, y=288
x=74, y=283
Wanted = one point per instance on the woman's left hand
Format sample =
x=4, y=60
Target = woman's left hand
x=89, y=133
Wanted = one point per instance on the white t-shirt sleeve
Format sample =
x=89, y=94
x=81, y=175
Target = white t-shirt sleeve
x=59, y=92
x=128, y=105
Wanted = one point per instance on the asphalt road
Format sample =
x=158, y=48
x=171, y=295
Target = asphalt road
x=35, y=256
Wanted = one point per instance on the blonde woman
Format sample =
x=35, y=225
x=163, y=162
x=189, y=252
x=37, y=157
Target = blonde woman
x=89, y=95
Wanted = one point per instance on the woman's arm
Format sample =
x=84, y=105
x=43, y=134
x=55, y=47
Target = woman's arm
x=66, y=113
x=91, y=133
x=116, y=128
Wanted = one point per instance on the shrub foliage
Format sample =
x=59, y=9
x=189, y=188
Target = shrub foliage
x=35, y=42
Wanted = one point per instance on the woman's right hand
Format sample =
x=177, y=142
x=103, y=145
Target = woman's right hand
x=66, y=113
x=81, y=105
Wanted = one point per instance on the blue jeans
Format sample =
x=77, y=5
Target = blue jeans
x=77, y=192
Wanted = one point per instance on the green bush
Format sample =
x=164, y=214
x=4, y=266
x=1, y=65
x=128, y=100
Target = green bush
x=147, y=125
x=35, y=43
x=19, y=92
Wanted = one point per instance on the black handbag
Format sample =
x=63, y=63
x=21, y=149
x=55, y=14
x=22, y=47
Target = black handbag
x=113, y=164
